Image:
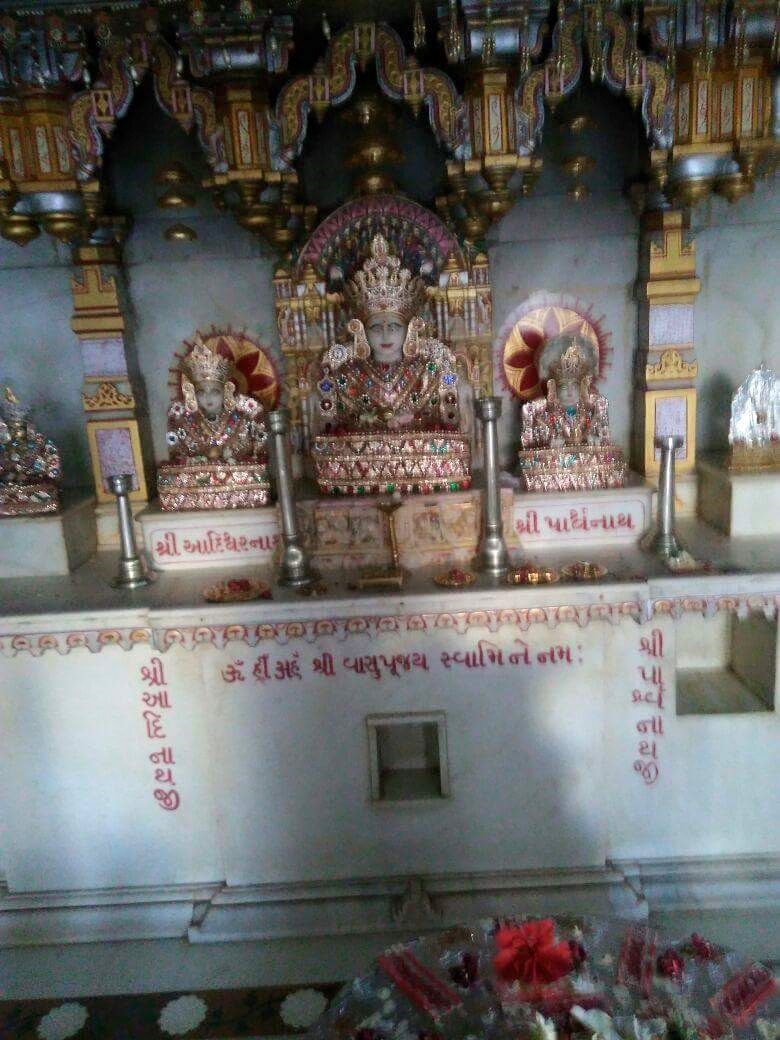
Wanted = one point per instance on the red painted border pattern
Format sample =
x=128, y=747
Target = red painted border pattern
x=374, y=626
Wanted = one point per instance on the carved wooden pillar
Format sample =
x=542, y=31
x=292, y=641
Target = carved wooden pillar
x=109, y=400
x=666, y=366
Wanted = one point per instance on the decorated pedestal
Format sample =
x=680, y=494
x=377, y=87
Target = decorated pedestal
x=572, y=469
x=377, y=463
x=35, y=546
x=213, y=486
x=431, y=529
x=194, y=538
x=33, y=499
x=739, y=504
x=607, y=516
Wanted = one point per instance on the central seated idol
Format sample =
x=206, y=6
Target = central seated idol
x=388, y=401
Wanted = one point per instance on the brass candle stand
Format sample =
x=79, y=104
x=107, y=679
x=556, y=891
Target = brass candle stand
x=132, y=572
x=294, y=570
x=392, y=577
x=662, y=539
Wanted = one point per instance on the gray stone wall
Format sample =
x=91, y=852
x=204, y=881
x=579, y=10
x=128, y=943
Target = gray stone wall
x=738, y=309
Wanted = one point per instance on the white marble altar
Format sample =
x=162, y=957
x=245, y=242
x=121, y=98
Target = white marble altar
x=433, y=530
x=740, y=504
x=54, y=543
x=230, y=743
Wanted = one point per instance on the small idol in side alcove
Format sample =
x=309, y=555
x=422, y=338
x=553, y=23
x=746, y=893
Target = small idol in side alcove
x=565, y=434
x=29, y=463
x=388, y=404
x=754, y=429
x=216, y=440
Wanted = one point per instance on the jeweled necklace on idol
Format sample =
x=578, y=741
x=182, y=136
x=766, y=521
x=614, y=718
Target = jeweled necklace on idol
x=399, y=384
x=574, y=421
x=220, y=429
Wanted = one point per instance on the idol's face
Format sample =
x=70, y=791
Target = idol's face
x=569, y=393
x=211, y=398
x=386, y=333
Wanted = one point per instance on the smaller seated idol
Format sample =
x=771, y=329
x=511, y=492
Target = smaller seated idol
x=565, y=434
x=216, y=440
x=754, y=429
x=388, y=406
x=29, y=463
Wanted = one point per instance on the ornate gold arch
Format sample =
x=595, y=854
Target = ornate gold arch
x=123, y=64
x=614, y=53
x=400, y=77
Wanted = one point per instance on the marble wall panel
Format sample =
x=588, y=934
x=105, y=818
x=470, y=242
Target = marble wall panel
x=738, y=309
x=525, y=766
x=697, y=805
x=78, y=789
x=564, y=750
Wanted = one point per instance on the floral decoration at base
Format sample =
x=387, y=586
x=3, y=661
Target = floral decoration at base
x=565, y=977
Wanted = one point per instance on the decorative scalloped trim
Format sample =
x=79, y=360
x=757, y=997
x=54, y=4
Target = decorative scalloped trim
x=284, y=632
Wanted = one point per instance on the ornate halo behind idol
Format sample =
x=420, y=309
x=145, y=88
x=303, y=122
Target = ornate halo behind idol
x=541, y=318
x=252, y=369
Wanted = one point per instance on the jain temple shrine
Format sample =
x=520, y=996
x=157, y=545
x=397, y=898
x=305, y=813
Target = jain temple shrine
x=389, y=519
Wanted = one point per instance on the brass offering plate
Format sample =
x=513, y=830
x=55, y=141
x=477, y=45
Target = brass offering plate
x=455, y=578
x=583, y=570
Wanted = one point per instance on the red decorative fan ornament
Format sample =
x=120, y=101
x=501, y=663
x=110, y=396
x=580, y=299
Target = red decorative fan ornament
x=530, y=327
x=255, y=373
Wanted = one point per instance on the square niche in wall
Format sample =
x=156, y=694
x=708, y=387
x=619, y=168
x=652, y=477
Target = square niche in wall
x=407, y=757
x=726, y=665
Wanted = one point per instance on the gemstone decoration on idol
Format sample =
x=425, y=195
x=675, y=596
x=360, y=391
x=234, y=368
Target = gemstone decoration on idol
x=29, y=463
x=388, y=399
x=565, y=436
x=216, y=440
